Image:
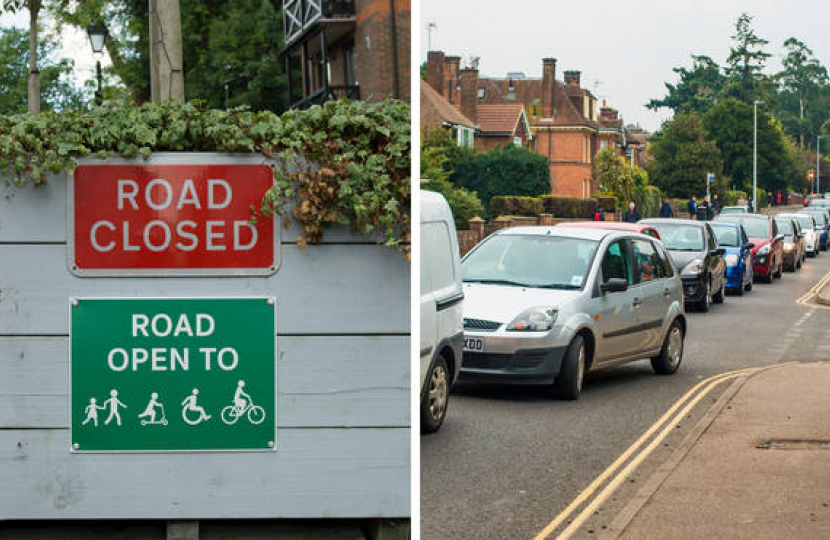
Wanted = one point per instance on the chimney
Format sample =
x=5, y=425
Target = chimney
x=436, y=76
x=572, y=78
x=608, y=113
x=469, y=94
x=451, y=82
x=548, y=81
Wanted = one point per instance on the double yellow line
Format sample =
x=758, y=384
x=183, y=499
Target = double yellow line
x=669, y=419
x=805, y=300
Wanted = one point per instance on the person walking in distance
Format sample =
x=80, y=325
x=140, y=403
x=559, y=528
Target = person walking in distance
x=666, y=210
x=692, y=205
x=113, y=403
x=631, y=215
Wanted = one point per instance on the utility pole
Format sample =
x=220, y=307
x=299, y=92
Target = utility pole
x=169, y=50
x=154, y=59
x=818, y=170
x=755, y=155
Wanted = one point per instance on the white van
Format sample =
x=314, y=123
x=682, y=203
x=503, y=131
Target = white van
x=442, y=334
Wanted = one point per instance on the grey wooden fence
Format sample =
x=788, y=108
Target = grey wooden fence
x=343, y=396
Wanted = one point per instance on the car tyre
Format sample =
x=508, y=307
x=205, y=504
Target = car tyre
x=705, y=302
x=568, y=384
x=671, y=355
x=721, y=294
x=436, y=398
x=739, y=290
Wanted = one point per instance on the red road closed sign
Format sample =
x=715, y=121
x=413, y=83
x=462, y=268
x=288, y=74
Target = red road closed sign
x=176, y=216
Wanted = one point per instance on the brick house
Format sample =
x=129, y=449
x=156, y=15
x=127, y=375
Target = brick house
x=358, y=49
x=438, y=113
x=564, y=119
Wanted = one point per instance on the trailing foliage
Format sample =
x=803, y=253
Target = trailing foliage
x=345, y=162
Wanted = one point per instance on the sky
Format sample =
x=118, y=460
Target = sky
x=625, y=50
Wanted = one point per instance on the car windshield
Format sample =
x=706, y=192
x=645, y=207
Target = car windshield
x=805, y=221
x=818, y=216
x=726, y=235
x=679, y=236
x=733, y=210
x=785, y=226
x=553, y=262
x=754, y=227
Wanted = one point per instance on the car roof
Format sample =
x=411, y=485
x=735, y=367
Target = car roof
x=731, y=224
x=613, y=225
x=730, y=217
x=568, y=232
x=657, y=221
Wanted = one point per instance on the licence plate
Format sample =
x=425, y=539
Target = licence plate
x=472, y=344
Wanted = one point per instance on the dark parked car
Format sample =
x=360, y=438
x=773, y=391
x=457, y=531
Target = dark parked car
x=769, y=244
x=794, y=252
x=695, y=252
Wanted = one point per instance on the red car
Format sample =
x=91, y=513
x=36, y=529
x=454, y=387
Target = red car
x=614, y=226
x=768, y=251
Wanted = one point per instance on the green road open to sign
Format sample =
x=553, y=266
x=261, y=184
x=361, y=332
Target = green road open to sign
x=173, y=374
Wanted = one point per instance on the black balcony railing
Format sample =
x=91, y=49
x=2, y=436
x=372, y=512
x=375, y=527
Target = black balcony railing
x=299, y=15
x=334, y=92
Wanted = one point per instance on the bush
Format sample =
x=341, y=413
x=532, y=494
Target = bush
x=505, y=205
x=648, y=200
x=731, y=197
x=569, y=207
x=505, y=170
x=608, y=203
x=464, y=204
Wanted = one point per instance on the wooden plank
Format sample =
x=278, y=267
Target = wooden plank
x=38, y=214
x=314, y=473
x=334, y=289
x=323, y=382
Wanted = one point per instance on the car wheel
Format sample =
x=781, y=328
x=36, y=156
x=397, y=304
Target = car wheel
x=568, y=384
x=739, y=291
x=721, y=294
x=705, y=302
x=436, y=398
x=672, y=352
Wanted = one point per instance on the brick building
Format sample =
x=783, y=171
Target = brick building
x=564, y=120
x=358, y=49
x=438, y=113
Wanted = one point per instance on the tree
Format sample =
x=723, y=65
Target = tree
x=504, y=170
x=33, y=91
x=730, y=125
x=439, y=154
x=57, y=88
x=745, y=64
x=699, y=88
x=801, y=83
x=224, y=42
x=628, y=183
x=683, y=156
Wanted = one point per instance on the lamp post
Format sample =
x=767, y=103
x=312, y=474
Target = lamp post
x=818, y=171
x=97, y=38
x=755, y=155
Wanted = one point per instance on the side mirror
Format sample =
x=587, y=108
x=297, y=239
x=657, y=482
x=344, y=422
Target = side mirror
x=778, y=238
x=614, y=285
x=750, y=245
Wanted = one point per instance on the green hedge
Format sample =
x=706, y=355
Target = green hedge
x=569, y=207
x=510, y=205
x=731, y=197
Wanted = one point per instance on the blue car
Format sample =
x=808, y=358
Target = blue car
x=739, y=261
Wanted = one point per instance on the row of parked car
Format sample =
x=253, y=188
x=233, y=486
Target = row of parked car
x=545, y=305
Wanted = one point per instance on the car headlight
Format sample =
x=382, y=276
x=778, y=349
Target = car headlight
x=731, y=259
x=693, y=268
x=764, y=250
x=537, y=319
x=789, y=246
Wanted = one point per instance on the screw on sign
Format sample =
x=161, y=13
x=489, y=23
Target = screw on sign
x=170, y=219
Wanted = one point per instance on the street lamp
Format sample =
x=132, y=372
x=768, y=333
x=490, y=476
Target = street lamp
x=755, y=155
x=818, y=171
x=97, y=38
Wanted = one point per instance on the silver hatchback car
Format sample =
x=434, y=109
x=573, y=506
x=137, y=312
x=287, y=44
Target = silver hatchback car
x=545, y=305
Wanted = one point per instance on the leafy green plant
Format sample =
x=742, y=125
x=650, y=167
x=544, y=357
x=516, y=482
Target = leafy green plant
x=345, y=162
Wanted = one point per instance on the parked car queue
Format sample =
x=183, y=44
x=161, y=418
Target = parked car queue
x=544, y=305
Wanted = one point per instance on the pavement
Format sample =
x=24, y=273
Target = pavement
x=757, y=466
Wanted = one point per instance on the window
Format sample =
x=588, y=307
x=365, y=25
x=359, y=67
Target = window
x=435, y=238
x=668, y=267
x=602, y=144
x=710, y=239
x=648, y=265
x=511, y=85
x=481, y=93
x=351, y=72
x=616, y=263
x=517, y=141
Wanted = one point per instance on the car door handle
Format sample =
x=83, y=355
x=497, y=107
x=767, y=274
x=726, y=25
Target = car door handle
x=637, y=302
x=666, y=292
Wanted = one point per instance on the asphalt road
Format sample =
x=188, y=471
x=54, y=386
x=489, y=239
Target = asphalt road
x=508, y=460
